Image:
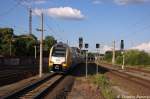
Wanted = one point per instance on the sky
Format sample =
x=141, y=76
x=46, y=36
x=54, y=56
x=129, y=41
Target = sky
x=97, y=21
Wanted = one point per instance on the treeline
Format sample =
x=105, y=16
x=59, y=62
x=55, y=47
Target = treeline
x=22, y=45
x=132, y=57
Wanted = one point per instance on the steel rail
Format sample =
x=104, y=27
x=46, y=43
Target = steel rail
x=28, y=88
x=143, y=82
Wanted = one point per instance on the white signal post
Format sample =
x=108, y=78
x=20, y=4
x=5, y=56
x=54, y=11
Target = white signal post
x=123, y=59
x=97, y=62
x=10, y=47
x=35, y=51
x=113, y=58
x=86, y=64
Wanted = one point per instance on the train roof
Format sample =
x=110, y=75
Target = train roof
x=61, y=44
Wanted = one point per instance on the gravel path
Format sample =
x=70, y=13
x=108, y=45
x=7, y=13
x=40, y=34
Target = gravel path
x=83, y=88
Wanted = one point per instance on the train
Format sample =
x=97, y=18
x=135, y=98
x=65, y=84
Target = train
x=63, y=58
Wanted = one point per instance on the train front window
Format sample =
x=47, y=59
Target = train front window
x=59, y=52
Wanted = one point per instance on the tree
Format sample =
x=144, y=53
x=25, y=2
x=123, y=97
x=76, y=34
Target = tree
x=90, y=54
x=136, y=57
x=24, y=45
x=49, y=42
x=6, y=35
x=108, y=56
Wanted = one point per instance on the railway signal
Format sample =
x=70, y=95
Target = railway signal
x=86, y=45
x=86, y=67
x=80, y=42
x=122, y=51
x=122, y=45
x=97, y=47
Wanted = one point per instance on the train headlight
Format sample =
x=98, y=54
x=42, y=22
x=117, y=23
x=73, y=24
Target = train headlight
x=50, y=63
x=64, y=64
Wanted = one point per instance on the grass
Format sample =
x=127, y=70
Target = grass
x=103, y=83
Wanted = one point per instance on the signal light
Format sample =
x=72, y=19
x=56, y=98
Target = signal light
x=86, y=45
x=97, y=45
x=122, y=45
x=80, y=42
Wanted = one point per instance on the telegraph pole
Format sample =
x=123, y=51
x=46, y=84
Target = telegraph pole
x=30, y=21
x=35, y=51
x=41, y=46
x=113, y=58
x=10, y=45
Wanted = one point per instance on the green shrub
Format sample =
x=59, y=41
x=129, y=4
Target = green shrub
x=103, y=82
x=132, y=57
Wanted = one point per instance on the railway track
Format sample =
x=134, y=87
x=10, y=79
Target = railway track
x=11, y=74
x=15, y=76
x=138, y=76
x=138, y=70
x=38, y=89
x=138, y=80
x=128, y=68
x=144, y=74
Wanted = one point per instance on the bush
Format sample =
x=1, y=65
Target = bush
x=103, y=82
x=132, y=57
x=135, y=57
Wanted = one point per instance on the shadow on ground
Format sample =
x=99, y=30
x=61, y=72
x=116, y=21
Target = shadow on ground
x=80, y=69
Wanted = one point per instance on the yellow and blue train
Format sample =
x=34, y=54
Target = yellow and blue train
x=62, y=58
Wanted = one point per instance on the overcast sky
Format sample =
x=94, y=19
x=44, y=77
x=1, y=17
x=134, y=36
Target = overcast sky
x=97, y=21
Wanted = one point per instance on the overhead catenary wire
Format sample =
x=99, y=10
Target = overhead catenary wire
x=54, y=32
x=10, y=10
x=19, y=29
x=127, y=37
x=135, y=25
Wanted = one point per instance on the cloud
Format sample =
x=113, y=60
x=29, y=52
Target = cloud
x=61, y=13
x=96, y=1
x=125, y=2
x=106, y=48
x=39, y=1
x=143, y=47
x=30, y=2
x=37, y=11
